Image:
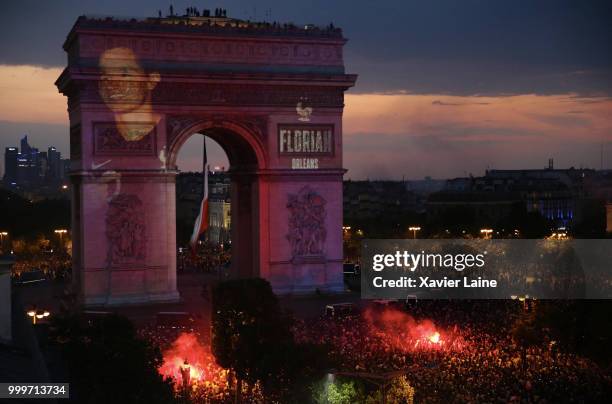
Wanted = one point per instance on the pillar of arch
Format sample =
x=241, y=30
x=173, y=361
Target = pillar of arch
x=271, y=96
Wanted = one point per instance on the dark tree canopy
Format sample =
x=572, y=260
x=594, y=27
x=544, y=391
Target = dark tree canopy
x=252, y=337
x=22, y=218
x=107, y=362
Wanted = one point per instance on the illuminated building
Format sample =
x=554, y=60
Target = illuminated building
x=219, y=212
x=31, y=171
x=189, y=195
x=565, y=197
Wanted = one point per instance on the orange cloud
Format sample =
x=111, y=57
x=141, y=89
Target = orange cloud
x=558, y=116
x=444, y=136
x=27, y=94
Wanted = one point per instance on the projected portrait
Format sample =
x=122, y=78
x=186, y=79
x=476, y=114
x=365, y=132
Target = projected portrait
x=126, y=90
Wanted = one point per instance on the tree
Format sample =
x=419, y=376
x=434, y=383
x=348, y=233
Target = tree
x=330, y=391
x=529, y=224
x=593, y=223
x=398, y=392
x=581, y=326
x=107, y=362
x=22, y=218
x=252, y=338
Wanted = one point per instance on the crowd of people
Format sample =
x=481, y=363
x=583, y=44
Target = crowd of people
x=457, y=351
x=473, y=359
x=56, y=264
x=187, y=346
x=208, y=258
x=551, y=269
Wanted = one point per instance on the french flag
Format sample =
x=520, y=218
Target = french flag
x=201, y=223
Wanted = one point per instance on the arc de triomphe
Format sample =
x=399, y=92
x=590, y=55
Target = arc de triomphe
x=272, y=96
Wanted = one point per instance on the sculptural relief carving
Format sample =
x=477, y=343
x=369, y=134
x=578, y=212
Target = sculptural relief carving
x=307, y=232
x=125, y=229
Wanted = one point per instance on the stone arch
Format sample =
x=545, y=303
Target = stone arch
x=241, y=139
x=242, y=144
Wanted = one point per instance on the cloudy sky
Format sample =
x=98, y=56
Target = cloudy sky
x=445, y=88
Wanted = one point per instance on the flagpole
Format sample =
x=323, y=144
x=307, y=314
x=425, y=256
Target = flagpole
x=205, y=158
x=201, y=223
x=204, y=170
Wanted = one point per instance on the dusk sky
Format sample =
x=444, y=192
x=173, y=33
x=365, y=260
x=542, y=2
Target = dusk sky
x=445, y=88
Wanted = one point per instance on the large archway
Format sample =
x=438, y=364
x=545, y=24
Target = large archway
x=271, y=96
x=246, y=158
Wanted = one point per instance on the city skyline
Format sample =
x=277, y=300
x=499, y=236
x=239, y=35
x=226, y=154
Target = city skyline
x=534, y=84
x=27, y=165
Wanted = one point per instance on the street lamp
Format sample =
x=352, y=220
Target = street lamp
x=414, y=230
x=38, y=315
x=486, y=232
x=61, y=233
x=561, y=234
x=2, y=235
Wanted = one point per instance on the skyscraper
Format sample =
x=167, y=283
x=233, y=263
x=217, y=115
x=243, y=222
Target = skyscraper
x=64, y=168
x=27, y=163
x=54, y=161
x=25, y=146
x=43, y=166
x=10, y=165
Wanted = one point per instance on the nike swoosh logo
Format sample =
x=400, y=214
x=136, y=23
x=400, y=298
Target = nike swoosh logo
x=96, y=166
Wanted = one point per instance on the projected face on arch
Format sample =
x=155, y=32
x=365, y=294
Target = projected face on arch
x=126, y=90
